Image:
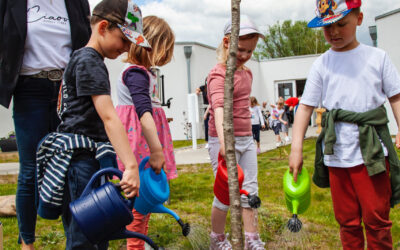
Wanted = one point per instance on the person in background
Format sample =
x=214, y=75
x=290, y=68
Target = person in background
x=285, y=123
x=355, y=155
x=266, y=114
x=37, y=38
x=257, y=121
x=140, y=111
x=246, y=154
x=206, y=117
x=276, y=121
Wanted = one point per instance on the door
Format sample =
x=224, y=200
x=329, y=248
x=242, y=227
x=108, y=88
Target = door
x=284, y=89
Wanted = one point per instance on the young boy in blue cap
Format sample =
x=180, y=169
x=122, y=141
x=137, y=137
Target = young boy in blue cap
x=355, y=155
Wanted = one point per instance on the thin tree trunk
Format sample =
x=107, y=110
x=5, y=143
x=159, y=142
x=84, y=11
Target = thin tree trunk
x=234, y=196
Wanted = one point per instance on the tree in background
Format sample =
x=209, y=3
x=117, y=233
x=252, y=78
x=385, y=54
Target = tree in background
x=291, y=39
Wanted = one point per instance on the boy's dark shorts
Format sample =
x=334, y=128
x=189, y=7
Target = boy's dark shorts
x=277, y=128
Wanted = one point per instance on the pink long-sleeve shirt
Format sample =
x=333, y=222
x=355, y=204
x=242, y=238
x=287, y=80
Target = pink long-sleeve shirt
x=241, y=93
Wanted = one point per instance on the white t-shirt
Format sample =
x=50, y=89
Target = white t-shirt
x=256, y=116
x=357, y=80
x=48, y=42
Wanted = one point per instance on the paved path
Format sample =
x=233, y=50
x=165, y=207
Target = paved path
x=267, y=140
x=187, y=155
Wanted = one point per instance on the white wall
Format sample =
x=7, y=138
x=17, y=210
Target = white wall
x=6, y=122
x=282, y=69
x=389, y=40
x=203, y=58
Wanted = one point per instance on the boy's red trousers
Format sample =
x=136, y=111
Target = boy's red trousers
x=359, y=197
x=140, y=224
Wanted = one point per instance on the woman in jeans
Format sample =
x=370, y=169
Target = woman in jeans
x=36, y=40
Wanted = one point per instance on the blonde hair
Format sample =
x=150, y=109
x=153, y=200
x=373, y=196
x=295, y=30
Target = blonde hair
x=161, y=39
x=222, y=52
x=253, y=101
x=280, y=103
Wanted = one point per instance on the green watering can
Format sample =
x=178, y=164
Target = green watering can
x=297, y=196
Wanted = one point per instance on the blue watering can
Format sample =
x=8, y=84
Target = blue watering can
x=153, y=192
x=103, y=213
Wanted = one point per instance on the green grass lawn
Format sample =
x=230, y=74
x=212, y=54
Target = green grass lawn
x=186, y=143
x=191, y=198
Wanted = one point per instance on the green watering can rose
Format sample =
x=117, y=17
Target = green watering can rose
x=297, y=196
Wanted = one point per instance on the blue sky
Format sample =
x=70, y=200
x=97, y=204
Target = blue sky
x=203, y=20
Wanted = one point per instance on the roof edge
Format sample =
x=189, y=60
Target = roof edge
x=195, y=43
x=387, y=14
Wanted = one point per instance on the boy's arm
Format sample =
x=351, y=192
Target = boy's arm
x=116, y=133
x=157, y=160
x=395, y=104
x=300, y=125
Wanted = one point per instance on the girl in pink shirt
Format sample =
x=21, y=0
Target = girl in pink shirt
x=245, y=147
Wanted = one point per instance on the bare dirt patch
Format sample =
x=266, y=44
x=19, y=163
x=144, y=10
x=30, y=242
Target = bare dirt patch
x=9, y=156
x=8, y=179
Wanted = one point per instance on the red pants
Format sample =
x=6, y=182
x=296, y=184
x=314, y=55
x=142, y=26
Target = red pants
x=358, y=197
x=140, y=224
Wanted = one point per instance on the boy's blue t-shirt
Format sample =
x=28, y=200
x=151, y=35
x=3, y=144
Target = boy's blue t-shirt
x=85, y=75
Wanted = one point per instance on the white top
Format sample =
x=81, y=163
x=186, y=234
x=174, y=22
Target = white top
x=124, y=95
x=357, y=80
x=256, y=116
x=48, y=42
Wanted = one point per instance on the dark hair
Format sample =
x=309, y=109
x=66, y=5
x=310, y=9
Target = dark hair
x=94, y=19
x=113, y=11
x=356, y=11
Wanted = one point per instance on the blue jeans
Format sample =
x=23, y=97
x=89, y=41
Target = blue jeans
x=79, y=173
x=35, y=115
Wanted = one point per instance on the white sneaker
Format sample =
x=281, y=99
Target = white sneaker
x=220, y=242
x=278, y=144
x=287, y=139
x=254, y=244
x=206, y=146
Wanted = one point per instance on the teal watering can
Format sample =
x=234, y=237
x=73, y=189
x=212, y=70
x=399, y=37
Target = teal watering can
x=153, y=192
x=103, y=213
x=297, y=196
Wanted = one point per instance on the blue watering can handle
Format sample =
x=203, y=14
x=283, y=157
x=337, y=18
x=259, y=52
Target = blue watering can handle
x=143, y=163
x=97, y=175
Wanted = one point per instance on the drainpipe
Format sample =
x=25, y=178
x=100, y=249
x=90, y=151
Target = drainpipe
x=188, y=53
x=373, y=34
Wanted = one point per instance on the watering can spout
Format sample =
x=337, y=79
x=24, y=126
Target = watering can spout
x=159, y=208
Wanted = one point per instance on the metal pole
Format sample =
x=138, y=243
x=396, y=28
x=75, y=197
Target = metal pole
x=188, y=53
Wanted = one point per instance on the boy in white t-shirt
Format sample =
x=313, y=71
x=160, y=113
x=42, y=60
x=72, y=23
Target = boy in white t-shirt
x=354, y=150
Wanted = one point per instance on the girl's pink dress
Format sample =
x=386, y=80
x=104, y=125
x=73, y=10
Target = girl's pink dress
x=130, y=120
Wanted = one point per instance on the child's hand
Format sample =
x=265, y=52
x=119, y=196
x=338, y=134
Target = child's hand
x=398, y=140
x=222, y=150
x=130, y=182
x=295, y=163
x=157, y=161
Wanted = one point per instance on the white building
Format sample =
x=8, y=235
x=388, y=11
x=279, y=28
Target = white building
x=272, y=78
